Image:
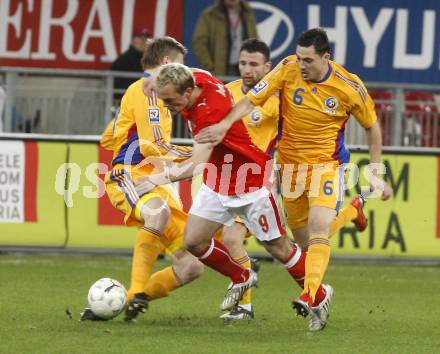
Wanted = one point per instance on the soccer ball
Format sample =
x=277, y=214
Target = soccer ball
x=107, y=298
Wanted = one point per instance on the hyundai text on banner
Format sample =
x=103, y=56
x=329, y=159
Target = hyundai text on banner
x=392, y=41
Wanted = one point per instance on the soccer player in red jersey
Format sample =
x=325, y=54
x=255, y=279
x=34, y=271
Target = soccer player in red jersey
x=236, y=183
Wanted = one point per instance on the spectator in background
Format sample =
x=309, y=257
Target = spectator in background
x=130, y=60
x=219, y=33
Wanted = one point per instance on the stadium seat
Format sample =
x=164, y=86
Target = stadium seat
x=384, y=110
x=422, y=127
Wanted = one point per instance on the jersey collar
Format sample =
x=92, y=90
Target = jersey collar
x=326, y=75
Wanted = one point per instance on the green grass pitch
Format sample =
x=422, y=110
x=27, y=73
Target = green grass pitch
x=376, y=309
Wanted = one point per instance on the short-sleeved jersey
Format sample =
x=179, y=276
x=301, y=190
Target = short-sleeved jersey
x=262, y=122
x=235, y=154
x=314, y=114
x=143, y=128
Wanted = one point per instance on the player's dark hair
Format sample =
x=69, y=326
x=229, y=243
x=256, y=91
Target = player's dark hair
x=317, y=38
x=159, y=48
x=254, y=45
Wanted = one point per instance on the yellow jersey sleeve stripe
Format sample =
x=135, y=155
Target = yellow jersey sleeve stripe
x=353, y=84
x=169, y=147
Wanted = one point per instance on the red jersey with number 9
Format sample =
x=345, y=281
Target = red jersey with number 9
x=240, y=166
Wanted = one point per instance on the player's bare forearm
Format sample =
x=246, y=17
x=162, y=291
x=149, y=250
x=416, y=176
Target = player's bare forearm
x=194, y=165
x=214, y=134
x=374, y=139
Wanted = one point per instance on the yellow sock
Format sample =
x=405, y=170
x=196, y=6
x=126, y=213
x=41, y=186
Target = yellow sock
x=246, y=263
x=146, y=250
x=345, y=215
x=317, y=260
x=161, y=283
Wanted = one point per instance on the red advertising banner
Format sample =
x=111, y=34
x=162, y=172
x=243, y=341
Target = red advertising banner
x=79, y=34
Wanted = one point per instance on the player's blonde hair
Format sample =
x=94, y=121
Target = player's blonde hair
x=178, y=75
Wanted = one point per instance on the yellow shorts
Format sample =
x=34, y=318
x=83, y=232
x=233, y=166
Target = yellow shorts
x=123, y=197
x=316, y=187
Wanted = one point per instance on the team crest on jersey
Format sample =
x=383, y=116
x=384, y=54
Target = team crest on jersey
x=259, y=87
x=331, y=103
x=256, y=116
x=154, y=116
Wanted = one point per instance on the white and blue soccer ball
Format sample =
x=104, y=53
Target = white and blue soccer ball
x=107, y=298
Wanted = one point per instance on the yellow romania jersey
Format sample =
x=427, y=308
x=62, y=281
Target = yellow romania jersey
x=314, y=114
x=262, y=122
x=141, y=129
x=106, y=140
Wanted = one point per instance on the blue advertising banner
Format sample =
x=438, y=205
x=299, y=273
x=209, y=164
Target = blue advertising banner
x=381, y=41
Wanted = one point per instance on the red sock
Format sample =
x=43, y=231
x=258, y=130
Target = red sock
x=217, y=257
x=319, y=296
x=296, y=266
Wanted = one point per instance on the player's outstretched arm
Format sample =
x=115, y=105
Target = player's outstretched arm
x=214, y=134
x=374, y=138
x=177, y=171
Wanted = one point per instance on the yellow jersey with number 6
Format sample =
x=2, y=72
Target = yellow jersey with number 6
x=314, y=114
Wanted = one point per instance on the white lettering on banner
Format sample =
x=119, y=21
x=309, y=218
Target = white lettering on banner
x=127, y=24
x=99, y=8
x=371, y=31
x=268, y=28
x=15, y=21
x=337, y=34
x=47, y=21
x=160, y=27
x=371, y=35
x=12, y=161
x=403, y=60
x=27, y=32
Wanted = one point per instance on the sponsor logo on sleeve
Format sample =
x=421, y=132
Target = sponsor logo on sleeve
x=259, y=87
x=154, y=116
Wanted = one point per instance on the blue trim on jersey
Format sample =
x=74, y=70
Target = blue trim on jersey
x=341, y=171
x=342, y=153
x=136, y=155
x=326, y=75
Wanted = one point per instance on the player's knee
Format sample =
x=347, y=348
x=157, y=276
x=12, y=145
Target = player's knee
x=230, y=241
x=233, y=237
x=192, y=243
x=318, y=225
x=194, y=269
x=189, y=269
x=280, y=248
x=156, y=215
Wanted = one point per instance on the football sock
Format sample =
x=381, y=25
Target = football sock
x=317, y=259
x=345, y=215
x=247, y=296
x=217, y=257
x=146, y=250
x=296, y=264
x=161, y=283
x=320, y=295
